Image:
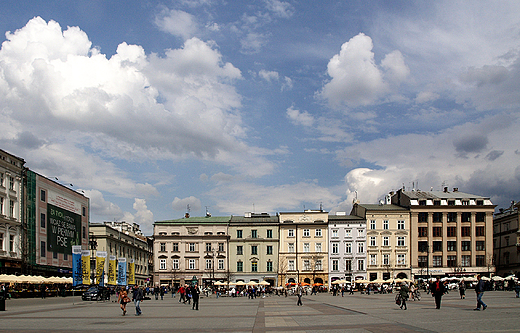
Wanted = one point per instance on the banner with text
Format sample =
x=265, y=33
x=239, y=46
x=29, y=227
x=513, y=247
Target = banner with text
x=131, y=272
x=112, y=270
x=85, y=264
x=63, y=229
x=77, y=272
x=121, y=271
x=101, y=257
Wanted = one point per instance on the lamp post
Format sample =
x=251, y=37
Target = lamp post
x=93, y=246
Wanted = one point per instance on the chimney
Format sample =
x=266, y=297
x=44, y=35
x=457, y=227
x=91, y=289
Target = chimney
x=187, y=215
x=455, y=189
x=446, y=189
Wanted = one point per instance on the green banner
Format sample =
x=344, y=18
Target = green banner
x=63, y=229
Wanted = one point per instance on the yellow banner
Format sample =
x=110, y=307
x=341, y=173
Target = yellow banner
x=85, y=264
x=131, y=272
x=112, y=266
x=101, y=257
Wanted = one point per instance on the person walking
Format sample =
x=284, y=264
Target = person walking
x=122, y=299
x=437, y=289
x=182, y=293
x=403, y=292
x=195, y=295
x=162, y=293
x=137, y=297
x=462, y=289
x=479, y=289
x=299, y=293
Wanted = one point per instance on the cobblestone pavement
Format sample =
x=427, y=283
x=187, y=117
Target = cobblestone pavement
x=320, y=313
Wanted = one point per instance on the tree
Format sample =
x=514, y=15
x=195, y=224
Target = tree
x=283, y=265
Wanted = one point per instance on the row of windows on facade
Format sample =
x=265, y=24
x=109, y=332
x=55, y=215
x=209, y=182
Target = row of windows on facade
x=386, y=224
x=307, y=265
x=43, y=197
x=451, y=217
x=11, y=242
x=348, y=265
x=401, y=259
x=11, y=181
x=12, y=205
x=255, y=234
x=193, y=247
x=192, y=264
x=465, y=261
x=305, y=233
x=451, y=202
x=452, y=231
x=451, y=246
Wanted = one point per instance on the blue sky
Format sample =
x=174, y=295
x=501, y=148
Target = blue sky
x=266, y=106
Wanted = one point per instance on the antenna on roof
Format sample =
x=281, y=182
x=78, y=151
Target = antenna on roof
x=208, y=214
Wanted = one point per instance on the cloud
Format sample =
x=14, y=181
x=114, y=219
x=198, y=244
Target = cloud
x=143, y=216
x=280, y=8
x=100, y=209
x=300, y=118
x=426, y=96
x=268, y=75
x=182, y=204
x=472, y=143
x=177, y=23
x=253, y=42
x=356, y=80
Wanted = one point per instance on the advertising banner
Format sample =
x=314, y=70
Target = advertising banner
x=121, y=271
x=112, y=270
x=77, y=272
x=131, y=272
x=64, y=229
x=85, y=264
x=101, y=257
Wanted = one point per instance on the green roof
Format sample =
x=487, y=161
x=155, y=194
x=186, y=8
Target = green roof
x=197, y=220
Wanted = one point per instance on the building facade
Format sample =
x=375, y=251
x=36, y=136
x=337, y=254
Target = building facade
x=11, y=213
x=57, y=218
x=191, y=248
x=121, y=240
x=347, y=247
x=253, y=248
x=387, y=240
x=506, y=241
x=303, y=254
x=451, y=232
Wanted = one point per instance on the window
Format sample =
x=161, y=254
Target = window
x=437, y=261
x=1, y=241
x=400, y=241
x=422, y=202
x=436, y=202
x=306, y=265
x=437, y=217
x=84, y=211
x=270, y=235
x=385, y=224
x=291, y=265
x=175, y=263
x=240, y=266
x=335, y=265
x=239, y=233
x=348, y=247
x=254, y=234
x=306, y=247
x=451, y=202
x=191, y=247
x=191, y=264
x=360, y=232
x=318, y=265
x=466, y=217
x=318, y=233
x=1, y=206
x=480, y=245
x=465, y=231
x=480, y=217
x=240, y=250
x=423, y=217
x=422, y=261
x=220, y=247
x=452, y=261
x=437, y=246
x=452, y=246
x=465, y=261
x=175, y=247
x=269, y=249
x=372, y=224
x=423, y=232
x=373, y=259
x=348, y=233
x=163, y=247
x=208, y=247
x=43, y=195
x=480, y=202
x=348, y=265
x=335, y=233
x=291, y=247
x=11, y=208
x=335, y=248
x=290, y=233
x=452, y=217
x=42, y=220
x=386, y=241
x=479, y=231
x=221, y=264
x=361, y=265
x=361, y=247
x=465, y=246
x=437, y=231
x=162, y=264
x=422, y=246
x=269, y=266
x=386, y=259
x=11, y=183
x=400, y=225
x=401, y=259
x=42, y=249
x=480, y=261
x=11, y=243
x=318, y=247
x=306, y=233
x=65, y=256
x=208, y=263
x=254, y=249
x=373, y=241
x=1, y=179
x=452, y=231
x=84, y=232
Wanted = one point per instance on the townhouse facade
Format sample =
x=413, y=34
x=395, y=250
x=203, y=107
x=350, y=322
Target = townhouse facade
x=387, y=240
x=303, y=254
x=451, y=232
x=506, y=240
x=253, y=248
x=347, y=247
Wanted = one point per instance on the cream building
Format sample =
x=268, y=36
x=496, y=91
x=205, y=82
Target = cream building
x=387, y=240
x=506, y=240
x=191, y=248
x=253, y=248
x=303, y=255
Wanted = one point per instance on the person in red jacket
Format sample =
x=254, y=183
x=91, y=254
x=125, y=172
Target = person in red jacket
x=182, y=292
x=437, y=289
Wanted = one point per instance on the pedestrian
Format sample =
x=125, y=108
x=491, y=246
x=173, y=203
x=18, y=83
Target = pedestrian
x=156, y=292
x=299, y=293
x=517, y=289
x=137, y=297
x=43, y=291
x=182, y=293
x=162, y=293
x=462, y=289
x=479, y=289
x=122, y=299
x=195, y=294
x=403, y=292
x=437, y=289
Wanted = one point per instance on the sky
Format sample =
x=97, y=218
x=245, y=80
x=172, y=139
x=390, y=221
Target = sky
x=151, y=107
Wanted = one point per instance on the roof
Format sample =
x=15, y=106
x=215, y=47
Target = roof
x=254, y=219
x=382, y=207
x=347, y=218
x=197, y=220
x=441, y=195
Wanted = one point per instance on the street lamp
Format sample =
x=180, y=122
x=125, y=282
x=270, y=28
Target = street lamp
x=93, y=246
